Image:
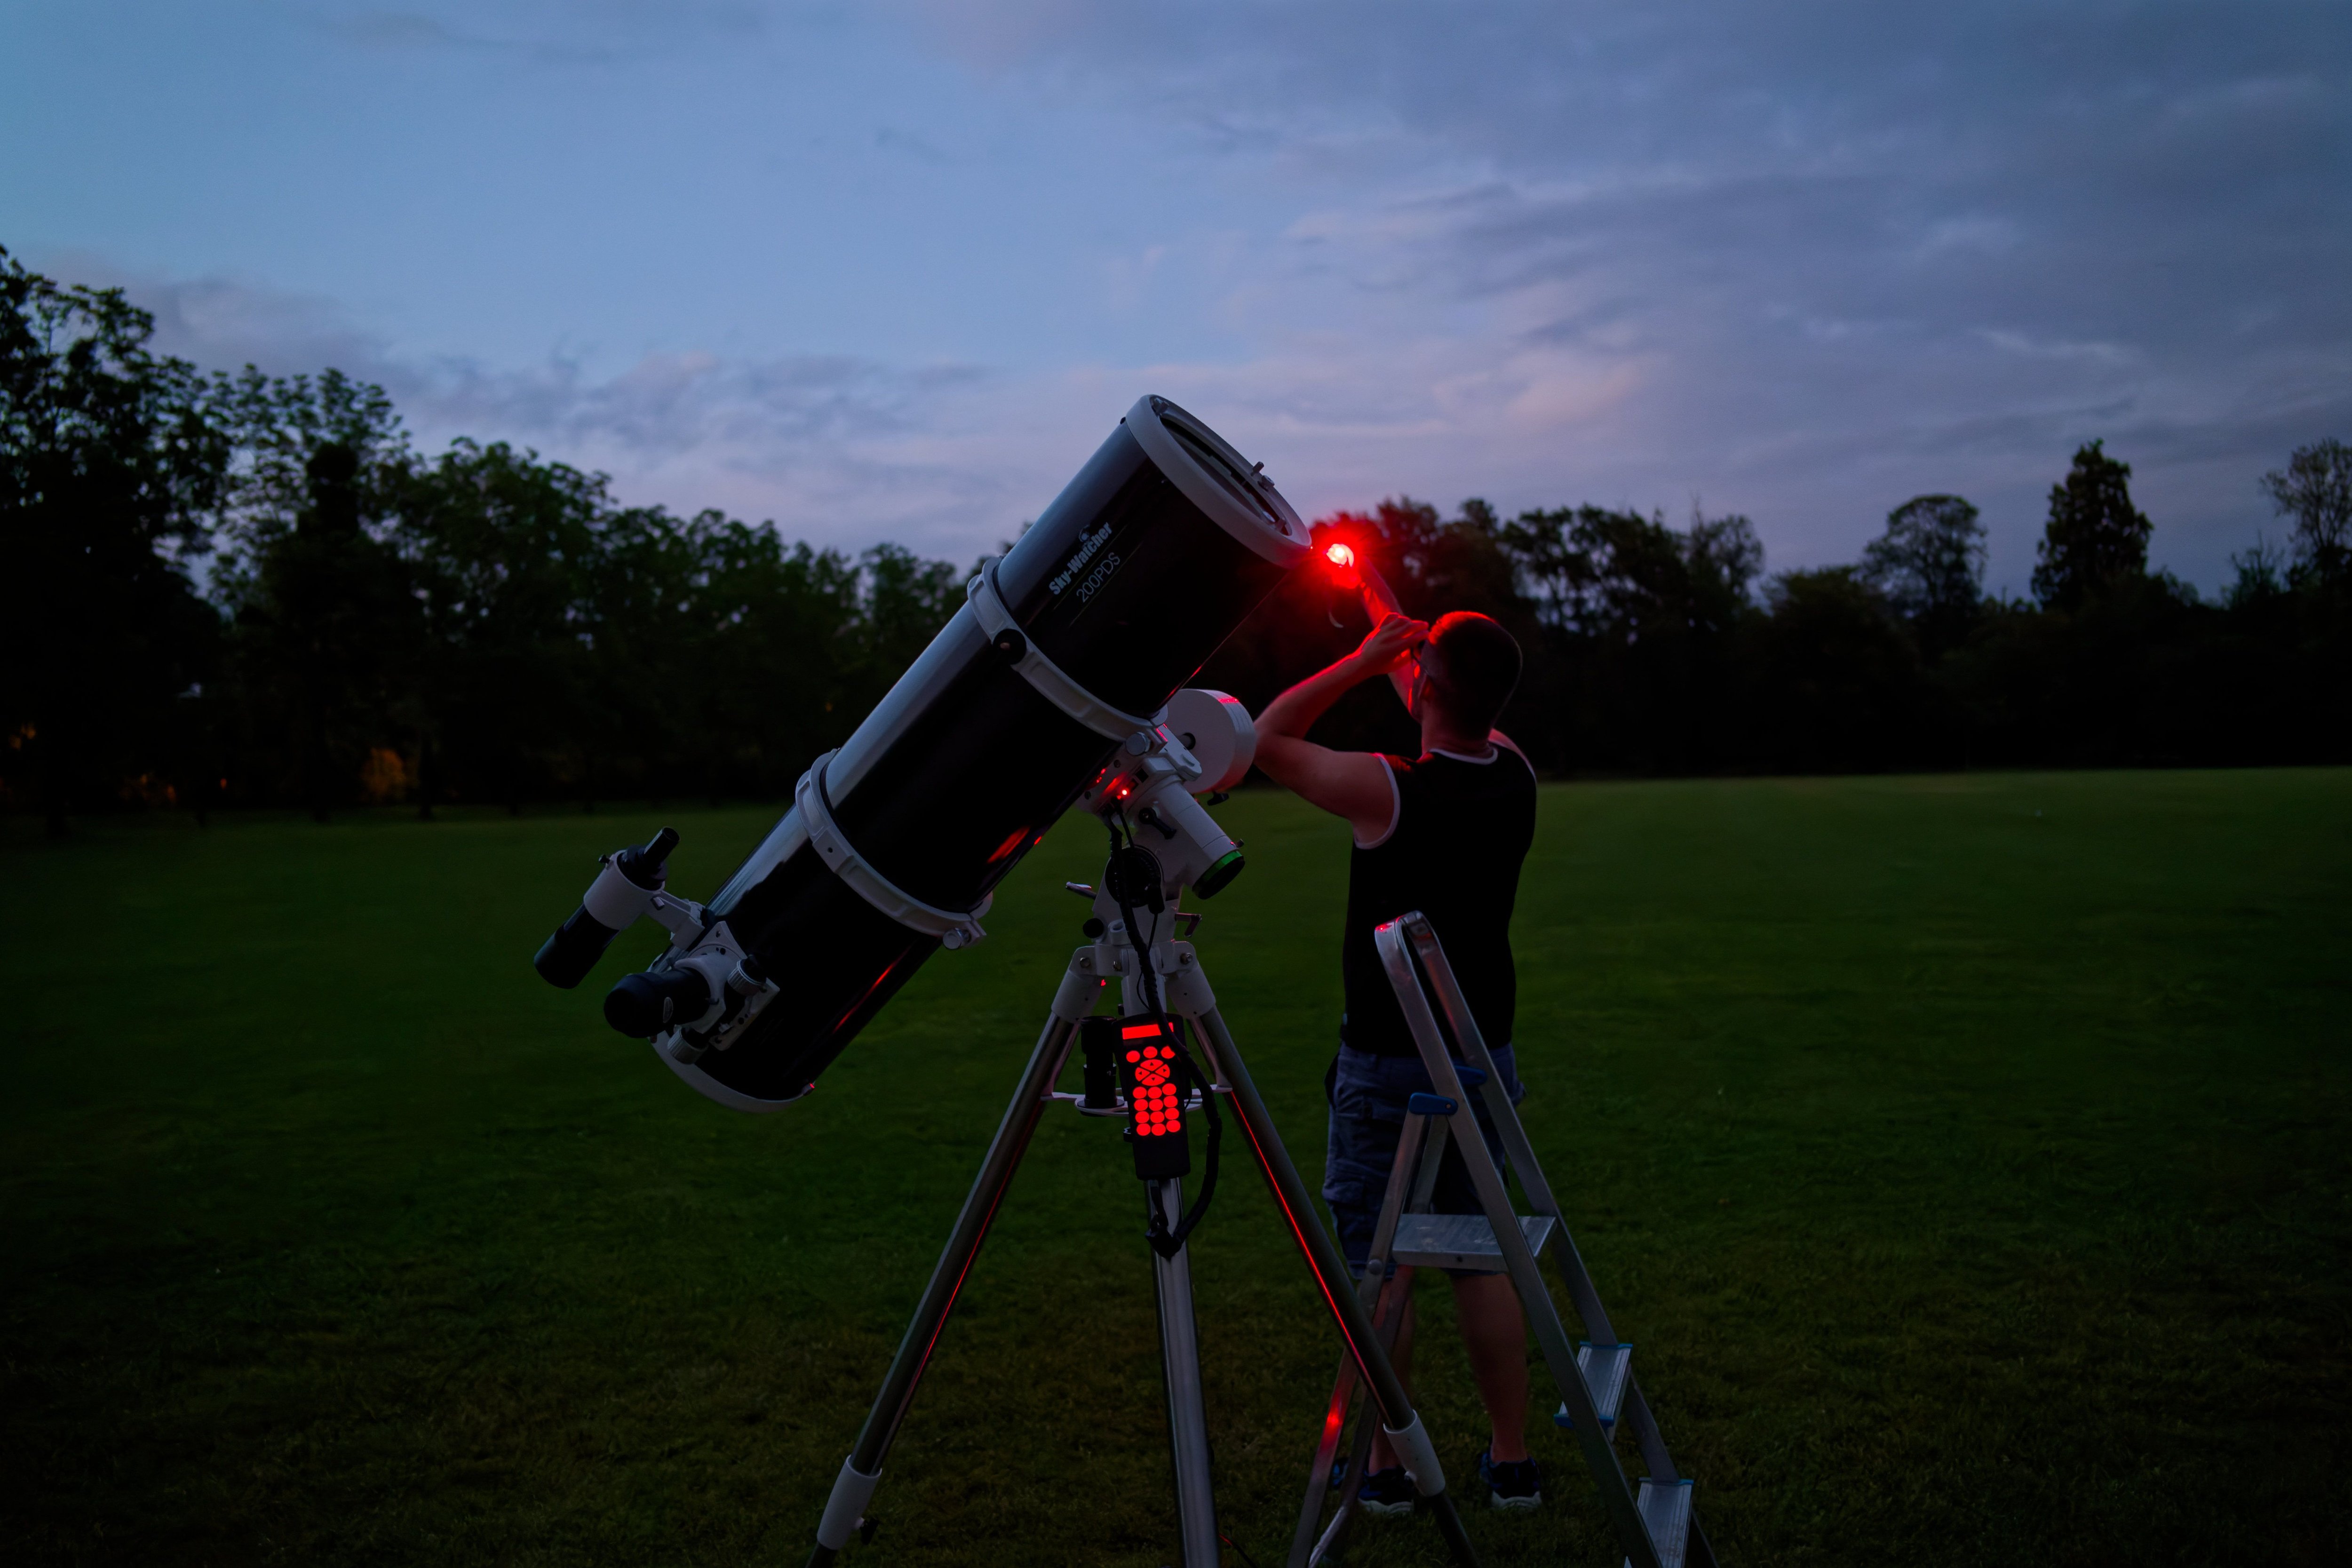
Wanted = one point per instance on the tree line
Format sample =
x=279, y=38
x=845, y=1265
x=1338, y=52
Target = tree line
x=245, y=589
x=1657, y=649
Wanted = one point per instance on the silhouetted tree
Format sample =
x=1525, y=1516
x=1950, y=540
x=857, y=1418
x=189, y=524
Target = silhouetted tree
x=781, y=627
x=1834, y=682
x=504, y=548
x=1930, y=566
x=2315, y=489
x=109, y=466
x=1641, y=619
x=2096, y=538
x=326, y=632
x=907, y=600
x=488, y=625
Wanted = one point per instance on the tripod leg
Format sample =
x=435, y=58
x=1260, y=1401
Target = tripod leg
x=1398, y=1417
x=1388, y=1316
x=863, y=1469
x=1188, y=1420
x=1378, y=1284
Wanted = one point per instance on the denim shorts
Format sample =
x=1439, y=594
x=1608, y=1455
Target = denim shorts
x=1368, y=1095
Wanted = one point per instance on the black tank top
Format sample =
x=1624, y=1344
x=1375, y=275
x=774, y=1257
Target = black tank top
x=1453, y=853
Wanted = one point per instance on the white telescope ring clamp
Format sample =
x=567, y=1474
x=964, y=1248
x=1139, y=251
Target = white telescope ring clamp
x=1042, y=673
x=954, y=928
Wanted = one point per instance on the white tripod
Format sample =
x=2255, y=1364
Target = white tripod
x=1145, y=790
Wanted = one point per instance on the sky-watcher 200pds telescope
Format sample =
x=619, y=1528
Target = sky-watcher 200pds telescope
x=1059, y=679
x=1069, y=649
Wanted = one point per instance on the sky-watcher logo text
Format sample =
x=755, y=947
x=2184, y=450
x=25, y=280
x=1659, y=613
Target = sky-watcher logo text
x=1078, y=561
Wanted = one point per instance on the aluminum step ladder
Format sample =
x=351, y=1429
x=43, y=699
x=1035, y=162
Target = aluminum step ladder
x=1600, y=1395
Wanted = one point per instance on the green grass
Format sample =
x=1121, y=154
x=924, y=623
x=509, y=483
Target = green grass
x=1967, y=1157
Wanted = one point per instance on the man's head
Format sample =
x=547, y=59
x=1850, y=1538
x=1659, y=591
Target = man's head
x=1470, y=665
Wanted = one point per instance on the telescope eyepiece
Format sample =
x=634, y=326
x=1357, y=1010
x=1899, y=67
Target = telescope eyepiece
x=647, y=863
x=643, y=1004
x=614, y=899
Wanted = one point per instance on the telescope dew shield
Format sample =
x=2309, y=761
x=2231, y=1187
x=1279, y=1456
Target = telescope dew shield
x=1126, y=584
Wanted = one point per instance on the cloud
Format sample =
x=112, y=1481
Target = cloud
x=1808, y=259
x=839, y=449
x=606, y=32
x=1814, y=257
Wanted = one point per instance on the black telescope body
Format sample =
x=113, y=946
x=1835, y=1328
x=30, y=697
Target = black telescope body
x=1150, y=558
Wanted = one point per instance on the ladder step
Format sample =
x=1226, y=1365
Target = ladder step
x=1461, y=1241
x=1607, y=1369
x=1665, y=1508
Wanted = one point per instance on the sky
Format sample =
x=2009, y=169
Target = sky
x=892, y=270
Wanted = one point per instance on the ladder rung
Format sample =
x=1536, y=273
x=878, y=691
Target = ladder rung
x=1665, y=1508
x=1460, y=1241
x=1607, y=1369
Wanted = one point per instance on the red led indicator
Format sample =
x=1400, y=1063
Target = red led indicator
x=1340, y=555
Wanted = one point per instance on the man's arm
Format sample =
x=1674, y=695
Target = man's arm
x=1353, y=785
x=1379, y=604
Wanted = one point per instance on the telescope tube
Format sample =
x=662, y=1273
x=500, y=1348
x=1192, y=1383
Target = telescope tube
x=1150, y=558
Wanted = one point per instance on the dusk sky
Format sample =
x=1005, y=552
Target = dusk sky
x=891, y=271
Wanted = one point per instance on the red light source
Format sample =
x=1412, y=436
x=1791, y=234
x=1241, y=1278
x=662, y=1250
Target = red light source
x=1340, y=557
x=1153, y=1048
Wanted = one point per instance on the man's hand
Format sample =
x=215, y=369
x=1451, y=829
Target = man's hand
x=1396, y=639
x=1353, y=785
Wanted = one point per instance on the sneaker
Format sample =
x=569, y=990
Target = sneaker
x=1518, y=1485
x=1386, y=1492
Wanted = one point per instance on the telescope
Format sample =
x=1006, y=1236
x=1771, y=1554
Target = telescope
x=1061, y=679
x=1070, y=651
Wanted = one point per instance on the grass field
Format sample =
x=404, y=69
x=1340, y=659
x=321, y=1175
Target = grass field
x=1968, y=1159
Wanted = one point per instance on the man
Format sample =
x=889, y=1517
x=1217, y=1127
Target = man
x=1443, y=833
